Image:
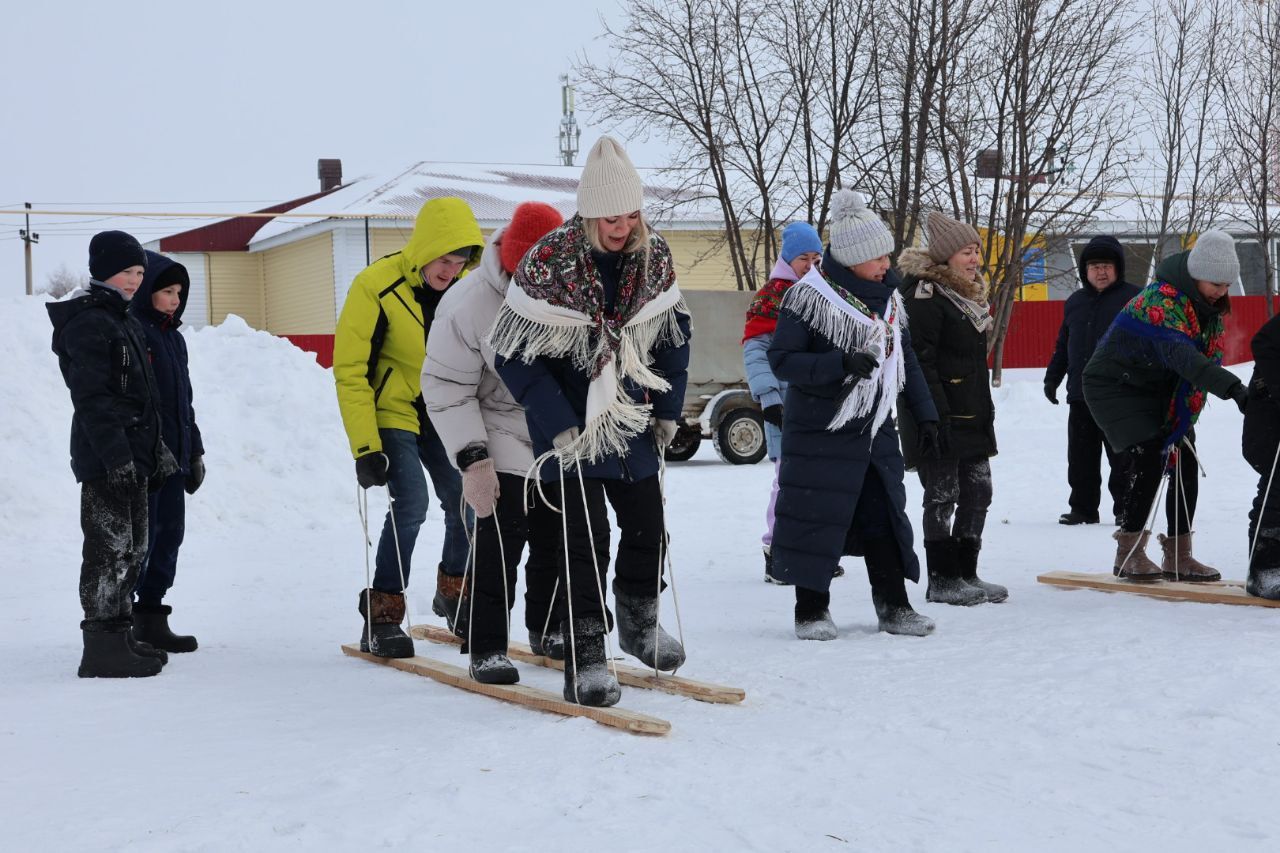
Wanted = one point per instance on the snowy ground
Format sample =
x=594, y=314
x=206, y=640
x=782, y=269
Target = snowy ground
x=1061, y=720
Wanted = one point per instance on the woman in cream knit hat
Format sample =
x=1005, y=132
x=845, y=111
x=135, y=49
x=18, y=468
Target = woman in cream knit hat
x=593, y=341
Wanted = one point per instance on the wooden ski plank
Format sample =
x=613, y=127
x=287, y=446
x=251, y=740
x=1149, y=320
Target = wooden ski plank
x=519, y=694
x=630, y=676
x=1222, y=592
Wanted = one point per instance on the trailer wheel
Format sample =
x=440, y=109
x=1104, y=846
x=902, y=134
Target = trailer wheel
x=739, y=438
x=684, y=445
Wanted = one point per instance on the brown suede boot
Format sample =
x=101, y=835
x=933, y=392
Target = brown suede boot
x=1179, y=565
x=381, y=634
x=450, y=601
x=1132, y=562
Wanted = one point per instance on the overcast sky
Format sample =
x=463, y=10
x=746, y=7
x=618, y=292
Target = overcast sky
x=177, y=105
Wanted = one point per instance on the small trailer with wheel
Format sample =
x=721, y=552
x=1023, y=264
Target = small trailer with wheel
x=717, y=402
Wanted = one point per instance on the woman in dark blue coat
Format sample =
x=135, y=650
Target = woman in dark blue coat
x=843, y=347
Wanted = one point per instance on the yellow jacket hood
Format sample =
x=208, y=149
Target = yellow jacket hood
x=443, y=225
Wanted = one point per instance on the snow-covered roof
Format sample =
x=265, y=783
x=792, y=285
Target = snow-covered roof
x=491, y=189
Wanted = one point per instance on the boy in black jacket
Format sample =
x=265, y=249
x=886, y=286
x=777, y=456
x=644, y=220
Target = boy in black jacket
x=1261, y=442
x=115, y=450
x=158, y=306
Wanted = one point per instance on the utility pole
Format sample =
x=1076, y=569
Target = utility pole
x=28, y=238
x=569, y=132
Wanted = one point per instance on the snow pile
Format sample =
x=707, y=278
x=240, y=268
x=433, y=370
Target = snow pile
x=1057, y=721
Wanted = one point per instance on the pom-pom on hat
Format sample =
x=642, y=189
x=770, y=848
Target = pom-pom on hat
x=800, y=238
x=113, y=251
x=610, y=185
x=856, y=232
x=947, y=236
x=530, y=223
x=1213, y=258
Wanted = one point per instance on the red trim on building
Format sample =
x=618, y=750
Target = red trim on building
x=230, y=235
x=320, y=345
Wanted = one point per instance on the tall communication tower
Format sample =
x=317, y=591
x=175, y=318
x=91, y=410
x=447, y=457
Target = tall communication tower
x=569, y=131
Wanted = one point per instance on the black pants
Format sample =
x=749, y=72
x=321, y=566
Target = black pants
x=1085, y=446
x=641, y=540
x=1266, y=554
x=959, y=488
x=166, y=527
x=115, y=541
x=1146, y=466
x=497, y=559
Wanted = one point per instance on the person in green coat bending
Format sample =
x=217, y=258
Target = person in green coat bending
x=1145, y=386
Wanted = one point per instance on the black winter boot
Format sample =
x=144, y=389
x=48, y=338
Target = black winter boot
x=493, y=668
x=1074, y=518
x=151, y=625
x=945, y=584
x=813, y=616
x=768, y=569
x=889, y=590
x=640, y=635
x=107, y=655
x=381, y=634
x=1264, y=570
x=592, y=683
x=967, y=551
x=551, y=645
x=140, y=647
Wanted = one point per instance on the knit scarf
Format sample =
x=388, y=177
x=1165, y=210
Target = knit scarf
x=851, y=327
x=762, y=314
x=555, y=307
x=977, y=313
x=1163, y=314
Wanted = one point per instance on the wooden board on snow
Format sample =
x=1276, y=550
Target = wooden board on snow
x=530, y=697
x=631, y=676
x=1221, y=592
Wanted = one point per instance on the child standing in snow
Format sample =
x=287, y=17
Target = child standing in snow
x=158, y=306
x=1261, y=442
x=593, y=341
x=485, y=434
x=116, y=450
x=801, y=251
x=843, y=346
x=1145, y=385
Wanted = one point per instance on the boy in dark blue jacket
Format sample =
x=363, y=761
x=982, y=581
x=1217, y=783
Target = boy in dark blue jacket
x=116, y=451
x=158, y=306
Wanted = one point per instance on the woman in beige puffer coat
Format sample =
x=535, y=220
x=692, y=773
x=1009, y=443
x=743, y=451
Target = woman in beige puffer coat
x=484, y=431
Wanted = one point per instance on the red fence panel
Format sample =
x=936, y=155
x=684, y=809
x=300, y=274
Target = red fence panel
x=320, y=345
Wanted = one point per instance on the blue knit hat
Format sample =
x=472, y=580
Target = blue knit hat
x=799, y=238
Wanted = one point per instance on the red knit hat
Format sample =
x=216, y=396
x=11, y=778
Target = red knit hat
x=530, y=223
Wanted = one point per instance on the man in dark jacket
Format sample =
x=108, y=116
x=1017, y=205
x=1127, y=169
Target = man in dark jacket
x=158, y=305
x=116, y=449
x=1261, y=444
x=1085, y=317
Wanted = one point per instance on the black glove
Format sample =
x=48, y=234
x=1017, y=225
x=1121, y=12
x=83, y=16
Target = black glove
x=195, y=476
x=123, y=480
x=1241, y=395
x=773, y=415
x=928, y=442
x=371, y=469
x=859, y=365
x=1051, y=393
x=944, y=436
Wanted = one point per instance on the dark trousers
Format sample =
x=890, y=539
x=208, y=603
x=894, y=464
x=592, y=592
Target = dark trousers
x=871, y=534
x=1085, y=446
x=959, y=488
x=115, y=541
x=166, y=527
x=641, y=539
x=1146, y=466
x=1266, y=510
x=500, y=542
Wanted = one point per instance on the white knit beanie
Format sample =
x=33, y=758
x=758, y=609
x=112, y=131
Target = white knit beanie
x=856, y=233
x=1213, y=258
x=610, y=185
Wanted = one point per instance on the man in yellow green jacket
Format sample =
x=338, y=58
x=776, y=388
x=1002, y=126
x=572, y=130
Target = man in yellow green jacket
x=378, y=352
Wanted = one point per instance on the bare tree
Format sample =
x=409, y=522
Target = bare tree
x=1252, y=98
x=62, y=281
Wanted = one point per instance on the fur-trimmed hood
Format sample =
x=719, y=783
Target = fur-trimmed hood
x=917, y=263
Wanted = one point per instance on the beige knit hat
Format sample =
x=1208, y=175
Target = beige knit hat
x=947, y=236
x=856, y=233
x=610, y=185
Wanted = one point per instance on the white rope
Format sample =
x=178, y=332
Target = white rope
x=1257, y=527
x=1148, y=523
x=395, y=532
x=532, y=474
x=568, y=579
x=664, y=553
x=362, y=507
x=595, y=563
